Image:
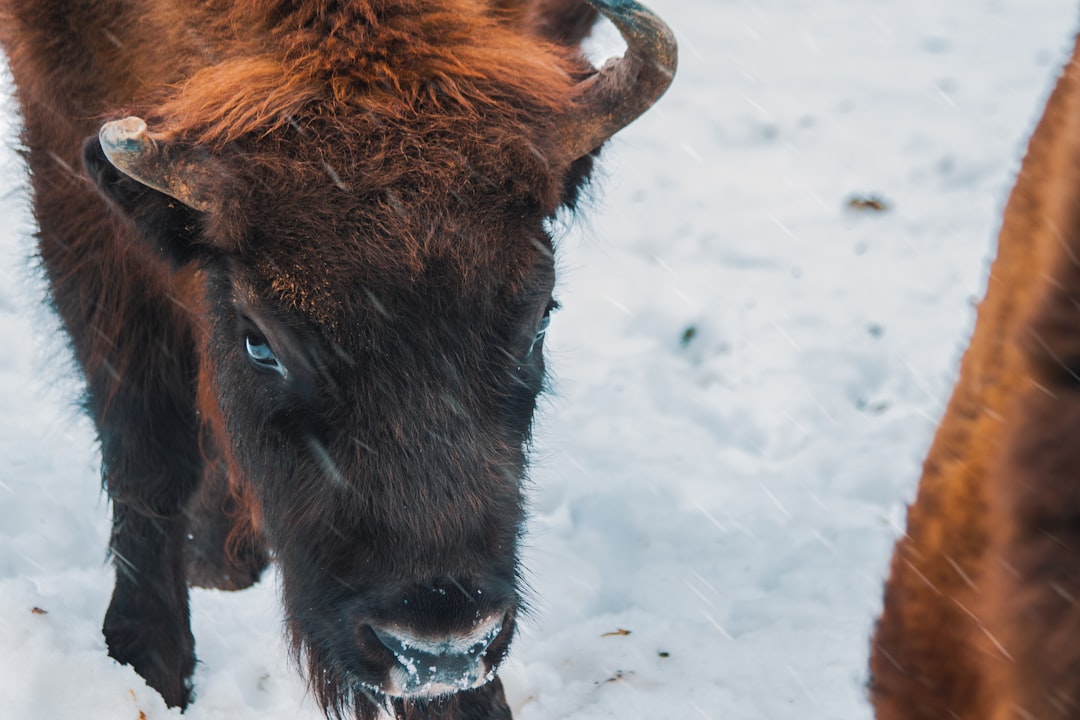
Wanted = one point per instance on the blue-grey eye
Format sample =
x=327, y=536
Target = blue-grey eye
x=541, y=330
x=262, y=357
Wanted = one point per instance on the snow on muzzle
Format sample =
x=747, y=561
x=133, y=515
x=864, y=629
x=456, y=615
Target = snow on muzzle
x=429, y=667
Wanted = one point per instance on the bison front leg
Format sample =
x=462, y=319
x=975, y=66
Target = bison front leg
x=147, y=623
x=151, y=465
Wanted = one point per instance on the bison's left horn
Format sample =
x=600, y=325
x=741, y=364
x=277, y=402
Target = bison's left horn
x=134, y=152
x=623, y=89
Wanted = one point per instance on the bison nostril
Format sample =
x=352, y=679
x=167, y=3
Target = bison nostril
x=429, y=666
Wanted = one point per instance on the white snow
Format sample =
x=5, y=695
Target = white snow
x=747, y=376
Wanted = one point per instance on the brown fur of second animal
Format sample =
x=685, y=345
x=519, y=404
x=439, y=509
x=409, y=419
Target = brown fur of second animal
x=981, y=617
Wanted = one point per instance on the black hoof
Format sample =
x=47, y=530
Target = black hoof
x=161, y=650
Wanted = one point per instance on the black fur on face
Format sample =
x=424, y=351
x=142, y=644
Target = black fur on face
x=386, y=451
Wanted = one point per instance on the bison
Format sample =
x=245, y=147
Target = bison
x=981, y=619
x=301, y=252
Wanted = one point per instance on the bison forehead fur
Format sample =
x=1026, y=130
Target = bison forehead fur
x=308, y=283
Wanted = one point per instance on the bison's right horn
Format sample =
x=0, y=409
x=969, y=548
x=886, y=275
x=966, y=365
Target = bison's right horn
x=134, y=152
x=623, y=89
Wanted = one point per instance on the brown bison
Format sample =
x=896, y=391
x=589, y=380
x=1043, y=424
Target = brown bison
x=300, y=250
x=982, y=608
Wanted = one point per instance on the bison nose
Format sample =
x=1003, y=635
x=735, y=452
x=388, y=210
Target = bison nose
x=427, y=667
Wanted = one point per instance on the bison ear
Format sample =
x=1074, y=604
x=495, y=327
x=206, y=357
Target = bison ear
x=113, y=160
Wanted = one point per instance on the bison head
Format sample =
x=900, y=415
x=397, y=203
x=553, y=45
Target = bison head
x=373, y=290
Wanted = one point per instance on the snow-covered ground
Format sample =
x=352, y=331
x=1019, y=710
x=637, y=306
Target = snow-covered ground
x=747, y=375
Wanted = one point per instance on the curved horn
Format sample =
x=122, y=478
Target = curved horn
x=623, y=89
x=134, y=152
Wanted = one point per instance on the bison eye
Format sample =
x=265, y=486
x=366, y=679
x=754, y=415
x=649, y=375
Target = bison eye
x=541, y=330
x=262, y=357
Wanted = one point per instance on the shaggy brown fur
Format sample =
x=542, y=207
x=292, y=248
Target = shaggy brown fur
x=377, y=177
x=981, y=620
